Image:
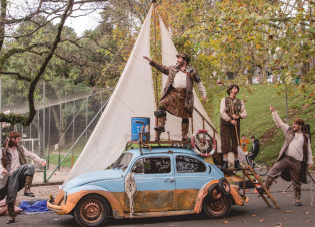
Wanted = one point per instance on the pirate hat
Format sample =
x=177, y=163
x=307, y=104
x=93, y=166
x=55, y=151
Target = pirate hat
x=183, y=55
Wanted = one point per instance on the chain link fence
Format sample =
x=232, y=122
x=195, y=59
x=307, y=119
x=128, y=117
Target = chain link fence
x=63, y=113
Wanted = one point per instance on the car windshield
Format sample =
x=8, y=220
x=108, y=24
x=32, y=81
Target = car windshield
x=123, y=162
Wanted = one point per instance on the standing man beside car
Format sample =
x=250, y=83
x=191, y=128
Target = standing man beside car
x=232, y=110
x=295, y=155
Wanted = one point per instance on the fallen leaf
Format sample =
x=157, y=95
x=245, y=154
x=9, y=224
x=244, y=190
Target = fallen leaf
x=295, y=210
x=308, y=221
x=289, y=195
x=308, y=213
x=285, y=219
x=225, y=222
x=262, y=220
x=243, y=220
x=254, y=215
x=247, y=190
x=279, y=224
x=286, y=211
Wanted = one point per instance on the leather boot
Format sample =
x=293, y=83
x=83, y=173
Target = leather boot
x=237, y=165
x=28, y=185
x=269, y=182
x=225, y=165
x=160, y=128
x=10, y=207
x=185, y=128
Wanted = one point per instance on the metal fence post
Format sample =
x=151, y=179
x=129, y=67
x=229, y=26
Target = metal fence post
x=0, y=109
x=59, y=136
x=86, y=118
x=73, y=119
x=48, y=144
x=44, y=127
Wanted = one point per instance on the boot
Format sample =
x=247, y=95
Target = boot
x=237, y=165
x=161, y=117
x=185, y=128
x=269, y=182
x=297, y=196
x=28, y=185
x=10, y=207
x=225, y=165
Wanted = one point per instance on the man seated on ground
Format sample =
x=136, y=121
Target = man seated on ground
x=244, y=141
x=15, y=173
x=254, y=151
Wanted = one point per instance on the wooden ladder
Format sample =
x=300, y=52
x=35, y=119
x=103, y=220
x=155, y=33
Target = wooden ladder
x=262, y=194
x=247, y=171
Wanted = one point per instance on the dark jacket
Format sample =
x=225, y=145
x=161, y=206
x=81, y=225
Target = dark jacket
x=255, y=148
x=171, y=73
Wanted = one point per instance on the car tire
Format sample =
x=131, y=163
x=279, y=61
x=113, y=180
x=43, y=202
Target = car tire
x=92, y=210
x=224, y=186
x=214, y=192
x=219, y=208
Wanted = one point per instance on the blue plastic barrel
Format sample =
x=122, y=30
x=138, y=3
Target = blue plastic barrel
x=137, y=127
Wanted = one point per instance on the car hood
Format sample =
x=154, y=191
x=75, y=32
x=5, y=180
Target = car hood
x=102, y=175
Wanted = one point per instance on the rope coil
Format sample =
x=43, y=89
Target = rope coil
x=131, y=190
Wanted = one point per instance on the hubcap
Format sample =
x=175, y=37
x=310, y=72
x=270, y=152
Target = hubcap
x=91, y=211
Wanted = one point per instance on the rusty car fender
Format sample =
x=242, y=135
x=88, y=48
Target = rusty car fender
x=74, y=196
x=236, y=195
x=203, y=192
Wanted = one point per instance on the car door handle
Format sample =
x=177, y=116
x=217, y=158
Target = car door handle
x=169, y=180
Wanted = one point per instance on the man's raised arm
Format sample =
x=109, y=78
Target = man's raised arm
x=162, y=68
x=284, y=127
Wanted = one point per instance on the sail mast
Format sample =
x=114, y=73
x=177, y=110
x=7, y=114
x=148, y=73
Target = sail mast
x=156, y=92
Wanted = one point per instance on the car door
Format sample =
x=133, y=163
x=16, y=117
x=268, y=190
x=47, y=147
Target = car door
x=191, y=174
x=155, y=180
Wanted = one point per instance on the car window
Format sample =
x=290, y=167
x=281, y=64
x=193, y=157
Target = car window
x=152, y=165
x=138, y=166
x=186, y=164
x=123, y=161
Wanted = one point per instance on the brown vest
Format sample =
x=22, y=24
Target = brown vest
x=237, y=105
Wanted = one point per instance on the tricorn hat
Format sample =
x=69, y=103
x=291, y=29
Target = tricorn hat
x=183, y=55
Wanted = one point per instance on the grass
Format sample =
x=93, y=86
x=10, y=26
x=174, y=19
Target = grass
x=259, y=121
x=66, y=163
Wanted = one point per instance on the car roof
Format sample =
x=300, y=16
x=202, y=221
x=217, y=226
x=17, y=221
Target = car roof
x=161, y=150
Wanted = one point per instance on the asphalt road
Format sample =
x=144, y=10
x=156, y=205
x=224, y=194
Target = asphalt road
x=257, y=213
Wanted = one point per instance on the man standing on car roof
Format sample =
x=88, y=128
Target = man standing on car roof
x=232, y=110
x=177, y=97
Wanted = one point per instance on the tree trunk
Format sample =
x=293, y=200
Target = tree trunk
x=60, y=127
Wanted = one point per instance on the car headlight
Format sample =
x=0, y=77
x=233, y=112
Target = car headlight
x=65, y=197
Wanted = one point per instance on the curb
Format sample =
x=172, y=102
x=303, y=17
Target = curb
x=47, y=183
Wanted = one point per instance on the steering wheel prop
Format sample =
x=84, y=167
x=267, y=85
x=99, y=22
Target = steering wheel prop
x=200, y=143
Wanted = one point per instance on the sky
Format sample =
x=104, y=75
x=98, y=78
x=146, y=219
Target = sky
x=79, y=24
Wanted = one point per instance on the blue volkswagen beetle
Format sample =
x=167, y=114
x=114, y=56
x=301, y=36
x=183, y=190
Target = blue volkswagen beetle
x=169, y=181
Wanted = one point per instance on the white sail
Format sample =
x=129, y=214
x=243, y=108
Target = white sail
x=132, y=97
x=173, y=124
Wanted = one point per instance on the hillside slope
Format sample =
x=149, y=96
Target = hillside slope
x=259, y=121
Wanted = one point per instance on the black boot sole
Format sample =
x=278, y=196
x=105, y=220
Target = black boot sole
x=10, y=222
x=29, y=194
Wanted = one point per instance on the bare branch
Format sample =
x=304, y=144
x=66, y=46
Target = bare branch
x=16, y=74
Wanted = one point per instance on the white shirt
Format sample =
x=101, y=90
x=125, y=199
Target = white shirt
x=295, y=148
x=181, y=82
x=225, y=116
x=15, y=161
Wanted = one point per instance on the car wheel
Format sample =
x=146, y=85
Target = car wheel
x=224, y=186
x=219, y=208
x=92, y=210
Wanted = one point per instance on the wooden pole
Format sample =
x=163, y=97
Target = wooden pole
x=156, y=88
